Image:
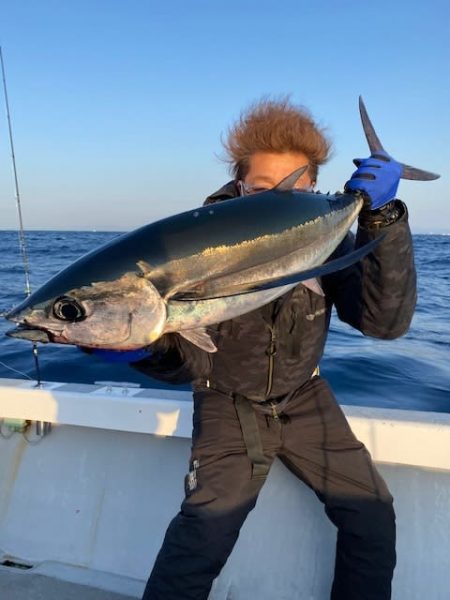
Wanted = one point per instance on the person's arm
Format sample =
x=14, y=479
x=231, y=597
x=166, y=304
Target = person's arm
x=171, y=359
x=378, y=294
x=175, y=360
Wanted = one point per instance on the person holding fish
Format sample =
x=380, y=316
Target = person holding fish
x=236, y=297
x=261, y=395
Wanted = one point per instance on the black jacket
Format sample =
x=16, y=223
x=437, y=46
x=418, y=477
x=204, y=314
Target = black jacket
x=274, y=349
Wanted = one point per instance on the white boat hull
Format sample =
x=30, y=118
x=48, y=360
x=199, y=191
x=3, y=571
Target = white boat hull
x=91, y=501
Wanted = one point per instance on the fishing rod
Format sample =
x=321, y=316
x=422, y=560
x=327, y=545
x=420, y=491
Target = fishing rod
x=21, y=232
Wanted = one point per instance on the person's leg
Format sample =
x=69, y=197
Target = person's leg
x=220, y=492
x=320, y=448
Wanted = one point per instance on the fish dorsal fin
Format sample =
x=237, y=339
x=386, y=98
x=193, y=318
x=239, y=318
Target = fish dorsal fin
x=376, y=146
x=289, y=182
x=314, y=286
x=199, y=337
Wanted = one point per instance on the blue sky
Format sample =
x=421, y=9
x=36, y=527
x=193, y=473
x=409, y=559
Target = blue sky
x=118, y=107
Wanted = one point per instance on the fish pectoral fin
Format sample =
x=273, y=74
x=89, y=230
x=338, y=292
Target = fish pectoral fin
x=199, y=337
x=331, y=266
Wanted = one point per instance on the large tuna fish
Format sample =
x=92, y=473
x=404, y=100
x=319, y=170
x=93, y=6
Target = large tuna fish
x=195, y=269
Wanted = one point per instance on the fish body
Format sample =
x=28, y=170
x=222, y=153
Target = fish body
x=188, y=271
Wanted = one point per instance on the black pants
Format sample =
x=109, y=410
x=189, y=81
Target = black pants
x=316, y=443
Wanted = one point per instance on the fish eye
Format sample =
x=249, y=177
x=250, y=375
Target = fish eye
x=68, y=309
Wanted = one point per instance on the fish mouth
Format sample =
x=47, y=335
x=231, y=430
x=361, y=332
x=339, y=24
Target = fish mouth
x=17, y=313
x=32, y=333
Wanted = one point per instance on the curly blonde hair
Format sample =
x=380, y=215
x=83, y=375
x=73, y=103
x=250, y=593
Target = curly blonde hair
x=275, y=126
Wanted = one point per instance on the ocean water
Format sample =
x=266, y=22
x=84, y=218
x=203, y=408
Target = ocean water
x=412, y=372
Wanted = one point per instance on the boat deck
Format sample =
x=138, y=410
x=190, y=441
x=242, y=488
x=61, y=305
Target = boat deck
x=33, y=586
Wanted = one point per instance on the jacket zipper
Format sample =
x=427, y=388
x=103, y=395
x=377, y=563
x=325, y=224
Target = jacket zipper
x=271, y=351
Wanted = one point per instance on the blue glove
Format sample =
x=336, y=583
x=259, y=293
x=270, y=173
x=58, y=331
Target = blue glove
x=119, y=356
x=377, y=177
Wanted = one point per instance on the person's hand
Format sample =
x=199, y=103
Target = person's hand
x=377, y=177
x=119, y=356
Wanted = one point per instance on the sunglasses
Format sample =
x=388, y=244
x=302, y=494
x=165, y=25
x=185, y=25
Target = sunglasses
x=249, y=190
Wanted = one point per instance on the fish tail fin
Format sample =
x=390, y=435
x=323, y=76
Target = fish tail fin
x=375, y=146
